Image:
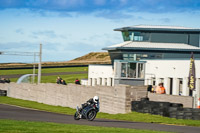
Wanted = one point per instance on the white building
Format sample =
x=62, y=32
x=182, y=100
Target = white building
x=150, y=55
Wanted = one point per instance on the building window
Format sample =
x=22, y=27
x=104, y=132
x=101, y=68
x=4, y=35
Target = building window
x=140, y=70
x=138, y=56
x=123, y=69
x=132, y=36
x=130, y=70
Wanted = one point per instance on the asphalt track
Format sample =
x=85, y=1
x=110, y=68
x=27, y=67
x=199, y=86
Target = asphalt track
x=18, y=113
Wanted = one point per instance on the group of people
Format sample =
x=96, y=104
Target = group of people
x=4, y=80
x=59, y=80
x=160, y=89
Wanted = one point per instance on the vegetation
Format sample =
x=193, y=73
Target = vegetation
x=44, y=70
x=50, y=79
x=90, y=58
x=67, y=78
x=133, y=116
x=95, y=57
x=13, y=126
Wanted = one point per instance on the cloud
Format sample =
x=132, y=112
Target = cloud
x=100, y=2
x=18, y=46
x=116, y=10
x=96, y=5
x=46, y=33
x=19, y=31
x=165, y=20
x=113, y=15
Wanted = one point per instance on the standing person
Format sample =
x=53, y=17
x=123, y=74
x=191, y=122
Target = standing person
x=160, y=89
x=63, y=82
x=77, y=81
x=58, y=80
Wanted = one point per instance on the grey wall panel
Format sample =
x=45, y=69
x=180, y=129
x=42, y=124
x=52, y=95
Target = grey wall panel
x=133, y=82
x=169, y=37
x=194, y=40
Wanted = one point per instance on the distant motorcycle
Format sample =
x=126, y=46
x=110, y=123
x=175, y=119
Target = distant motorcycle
x=88, y=112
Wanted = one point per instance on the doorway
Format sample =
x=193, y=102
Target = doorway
x=171, y=86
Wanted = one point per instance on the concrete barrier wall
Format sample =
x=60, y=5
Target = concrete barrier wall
x=115, y=99
x=187, y=101
x=112, y=99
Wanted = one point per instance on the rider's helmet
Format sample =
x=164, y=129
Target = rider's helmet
x=95, y=99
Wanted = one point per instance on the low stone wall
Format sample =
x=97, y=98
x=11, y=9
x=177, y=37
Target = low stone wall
x=187, y=101
x=112, y=99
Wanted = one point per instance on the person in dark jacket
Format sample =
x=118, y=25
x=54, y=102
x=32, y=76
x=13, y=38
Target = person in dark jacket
x=63, y=82
x=94, y=100
x=77, y=81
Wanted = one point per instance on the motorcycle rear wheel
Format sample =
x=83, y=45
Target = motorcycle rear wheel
x=76, y=116
x=91, y=115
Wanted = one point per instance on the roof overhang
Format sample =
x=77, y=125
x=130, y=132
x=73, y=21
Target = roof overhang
x=152, y=49
x=149, y=46
x=158, y=29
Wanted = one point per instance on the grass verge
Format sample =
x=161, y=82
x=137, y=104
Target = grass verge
x=52, y=79
x=13, y=126
x=44, y=70
x=133, y=116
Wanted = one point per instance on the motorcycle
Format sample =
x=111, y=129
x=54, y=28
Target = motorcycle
x=88, y=112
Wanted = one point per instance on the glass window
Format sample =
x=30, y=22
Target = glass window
x=131, y=55
x=135, y=36
x=140, y=70
x=123, y=69
x=125, y=35
x=132, y=70
x=125, y=55
x=132, y=36
x=138, y=38
x=139, y=56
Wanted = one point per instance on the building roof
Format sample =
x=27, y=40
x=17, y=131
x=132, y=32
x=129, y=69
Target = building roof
x=153, y=46
x=158, y=28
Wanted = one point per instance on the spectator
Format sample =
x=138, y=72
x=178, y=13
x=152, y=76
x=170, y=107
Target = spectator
x=153, y=89
x=7, y=80
x=77, y=81
x=149, y=88
x=58, y=81
x=63, y=82
x=2, y=80
x=160, y=89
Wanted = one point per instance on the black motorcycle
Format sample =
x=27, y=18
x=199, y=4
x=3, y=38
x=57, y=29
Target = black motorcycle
x=88, y=112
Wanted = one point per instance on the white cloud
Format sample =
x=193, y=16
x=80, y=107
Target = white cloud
x=100, y=2
x=123, y=2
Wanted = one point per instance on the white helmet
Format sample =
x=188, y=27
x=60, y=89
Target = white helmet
x=95, y=99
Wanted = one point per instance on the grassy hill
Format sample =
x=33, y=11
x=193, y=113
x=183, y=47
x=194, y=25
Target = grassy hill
x=95, y=57
x=91, y=58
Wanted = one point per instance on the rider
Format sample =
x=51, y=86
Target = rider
x=94, y=100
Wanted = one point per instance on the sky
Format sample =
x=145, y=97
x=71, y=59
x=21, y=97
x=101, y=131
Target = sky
x=68, y=29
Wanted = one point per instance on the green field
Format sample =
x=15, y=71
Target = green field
x=44, y=70
x=13, y=126
x=50, y=79
x=133, y=116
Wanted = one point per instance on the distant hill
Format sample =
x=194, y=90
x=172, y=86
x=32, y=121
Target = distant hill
x=91, y=58
x=101, y=57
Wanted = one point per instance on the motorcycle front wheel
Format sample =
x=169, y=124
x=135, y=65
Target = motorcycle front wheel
x=76, y=116
x=91, y=115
